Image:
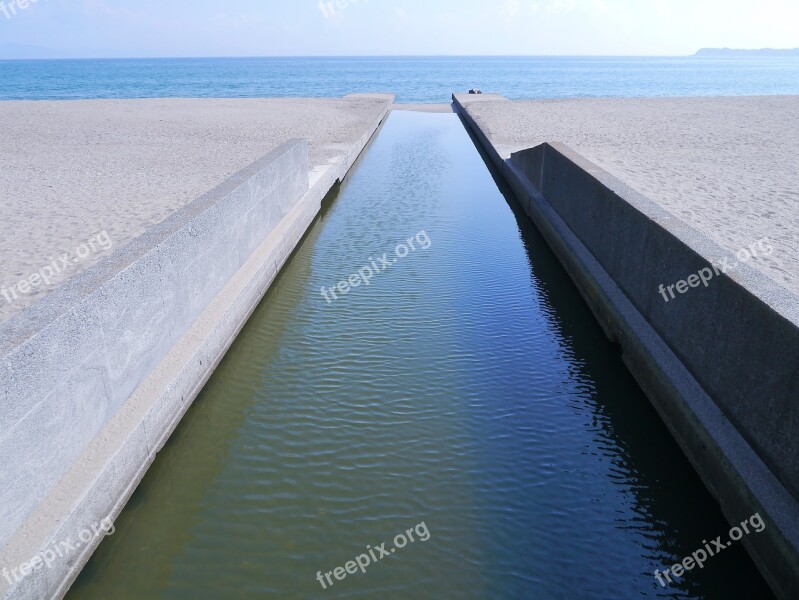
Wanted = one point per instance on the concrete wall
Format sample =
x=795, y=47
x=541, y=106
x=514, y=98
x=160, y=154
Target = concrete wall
x=96, y=376
x=742, y=350
x=718, y=363
x=106, y=330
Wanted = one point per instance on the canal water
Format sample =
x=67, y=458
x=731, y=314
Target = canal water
x=452, y=388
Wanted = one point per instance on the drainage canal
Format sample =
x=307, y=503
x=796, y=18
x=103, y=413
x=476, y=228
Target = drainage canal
x=454, y=385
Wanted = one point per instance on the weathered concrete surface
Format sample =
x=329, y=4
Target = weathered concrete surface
x=74, y=169
x=725, y=166
x=97, y=374
x=718, y=363
x=429, y=108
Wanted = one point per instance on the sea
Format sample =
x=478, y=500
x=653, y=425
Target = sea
x=412, y=79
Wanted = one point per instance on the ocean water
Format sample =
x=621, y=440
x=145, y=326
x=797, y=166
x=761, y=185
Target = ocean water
x=413, y=79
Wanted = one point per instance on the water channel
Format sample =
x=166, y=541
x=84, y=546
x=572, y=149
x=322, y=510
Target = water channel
x=466, y=393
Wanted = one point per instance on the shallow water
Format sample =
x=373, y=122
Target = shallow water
x=466, y=387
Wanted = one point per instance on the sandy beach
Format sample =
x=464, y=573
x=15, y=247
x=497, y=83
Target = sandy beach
x=74, y=171
x=725, y=166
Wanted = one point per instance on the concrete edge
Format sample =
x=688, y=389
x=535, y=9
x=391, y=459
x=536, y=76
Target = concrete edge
x=129, y=442
x=425, y=108
x=28, y=323
x=81, y=483
x=65, y=381
x=730, y=468
x=780, y=299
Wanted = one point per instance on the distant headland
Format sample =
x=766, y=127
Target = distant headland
x=738, y=52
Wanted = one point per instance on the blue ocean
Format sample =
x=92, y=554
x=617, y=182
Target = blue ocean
x=413, y=79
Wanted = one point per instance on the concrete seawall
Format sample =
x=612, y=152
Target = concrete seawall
x=98, y=373
x=718, y=363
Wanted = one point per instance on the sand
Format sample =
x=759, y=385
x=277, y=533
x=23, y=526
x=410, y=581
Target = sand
x=73, y=171
x=728, y=167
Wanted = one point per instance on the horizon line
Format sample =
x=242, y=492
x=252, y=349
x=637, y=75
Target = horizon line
x=334, y=56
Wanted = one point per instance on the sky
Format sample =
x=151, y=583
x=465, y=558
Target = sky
x=178, y=28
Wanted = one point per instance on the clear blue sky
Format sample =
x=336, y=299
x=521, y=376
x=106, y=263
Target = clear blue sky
x=123, y=28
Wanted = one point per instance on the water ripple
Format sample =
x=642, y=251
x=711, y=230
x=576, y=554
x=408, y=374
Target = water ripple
x=467, y=387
